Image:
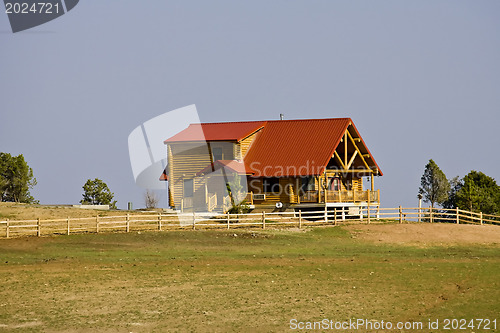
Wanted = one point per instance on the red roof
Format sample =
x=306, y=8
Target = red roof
x=295, y=147
x=283, y=147
x=235, y=131
x=164, y=175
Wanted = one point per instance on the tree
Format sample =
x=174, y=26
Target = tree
x=455, y=186
x=433, y=185
x=237, y=195
x=151, y=199
x=96, y=192
x=478, y=192
x=16, y=179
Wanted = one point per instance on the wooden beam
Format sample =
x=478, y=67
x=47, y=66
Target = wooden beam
x=351, y=160
x=359, y=151
x=339, y=159
x=345, y=147
x=351, y=170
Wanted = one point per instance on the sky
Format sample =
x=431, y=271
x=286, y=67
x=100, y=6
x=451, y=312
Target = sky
x=419, y=79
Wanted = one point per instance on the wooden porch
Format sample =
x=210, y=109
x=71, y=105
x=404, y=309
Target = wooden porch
x=210, y=202
x=352, y=196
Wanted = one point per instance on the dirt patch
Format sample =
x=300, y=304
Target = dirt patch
x=427, y=234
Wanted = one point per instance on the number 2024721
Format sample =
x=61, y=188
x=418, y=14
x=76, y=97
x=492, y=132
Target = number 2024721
x=35, y=8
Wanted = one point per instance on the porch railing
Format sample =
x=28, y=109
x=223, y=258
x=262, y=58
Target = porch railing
x=212, y=202
x=340, y=196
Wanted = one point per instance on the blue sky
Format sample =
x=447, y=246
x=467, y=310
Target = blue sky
x=419, y=79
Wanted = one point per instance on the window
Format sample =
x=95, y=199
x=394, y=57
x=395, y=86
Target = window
x=307, y=184
x=188, y=187
x=271, y=185
x=217, y=153
x=334, y=184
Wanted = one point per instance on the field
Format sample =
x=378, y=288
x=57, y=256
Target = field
x=249, y=280
x=17, y=211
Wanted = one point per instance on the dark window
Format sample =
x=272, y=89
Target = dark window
x=271, y=185
x=217, y=154
x=188, y=187
x=307, y=184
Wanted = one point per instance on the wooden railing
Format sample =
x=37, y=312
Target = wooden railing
x=162, y=221
x=309, y=196
x=186, y=203
x=212, y=202
x=340, y=196
x=226, y=203
x=249, y=198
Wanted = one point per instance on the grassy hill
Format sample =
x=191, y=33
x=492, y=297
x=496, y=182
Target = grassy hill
x=245, y=280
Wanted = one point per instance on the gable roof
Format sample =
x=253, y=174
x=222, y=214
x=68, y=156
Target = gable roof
x=300, y=147
x=295, y=147
x=234, y=131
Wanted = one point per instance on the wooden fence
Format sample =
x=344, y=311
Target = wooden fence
x=162, y=221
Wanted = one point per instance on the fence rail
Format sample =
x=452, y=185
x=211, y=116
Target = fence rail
x=298, y=218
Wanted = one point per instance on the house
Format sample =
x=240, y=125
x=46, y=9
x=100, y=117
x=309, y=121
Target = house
x=282, y=164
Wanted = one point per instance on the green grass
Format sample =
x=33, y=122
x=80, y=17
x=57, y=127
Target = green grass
x=236, y=281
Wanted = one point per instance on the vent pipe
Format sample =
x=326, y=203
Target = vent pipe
x=282, y=116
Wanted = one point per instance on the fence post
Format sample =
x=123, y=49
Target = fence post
x=335, y=216
x=67, y=222
x=326, y=214
x=7, y=231
x=194, y=220
x=263, y=220
x=368, y=208
x=38, y=231
x=400, y=215
x=430, y=213
x=419, y=210
x=159, y=221
x=300, y=219
x=481, y=216
x=457, y=216
x=97, y=223
x=228, y=217
x=128, y=222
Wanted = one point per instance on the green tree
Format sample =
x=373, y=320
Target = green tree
x=237, y=195
x=16, y=179
x=455, y=186
x=96, y=192
x=478, y=192
x=433, y=185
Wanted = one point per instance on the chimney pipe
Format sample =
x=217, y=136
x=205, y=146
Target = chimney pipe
x=282, y=116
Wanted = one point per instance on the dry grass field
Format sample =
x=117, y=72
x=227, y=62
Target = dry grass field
x=249, y=280
x=16, y=211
